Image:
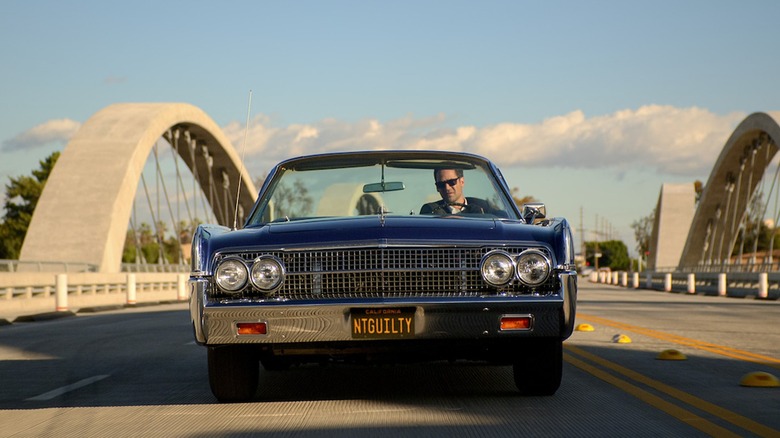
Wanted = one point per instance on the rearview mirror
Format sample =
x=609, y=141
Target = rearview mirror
x=383, y=187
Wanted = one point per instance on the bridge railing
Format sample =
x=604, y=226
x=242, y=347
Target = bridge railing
x=29, y=293
x=762, y=285
x=17, y=266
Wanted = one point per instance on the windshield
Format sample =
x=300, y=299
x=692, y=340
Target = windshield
x=393, y=187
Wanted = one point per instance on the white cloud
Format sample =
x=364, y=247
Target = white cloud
x=671, y=140
x=52, y=131
x=675, y=141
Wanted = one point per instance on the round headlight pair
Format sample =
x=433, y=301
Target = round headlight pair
x=531, y=267
x=497, y=268
x=231, y=275
x=266, y=274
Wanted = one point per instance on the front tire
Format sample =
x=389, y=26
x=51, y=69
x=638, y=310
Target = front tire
x=538, y=368
x=233, y=373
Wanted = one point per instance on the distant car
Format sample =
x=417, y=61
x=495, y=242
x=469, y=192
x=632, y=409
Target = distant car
x=357, y=257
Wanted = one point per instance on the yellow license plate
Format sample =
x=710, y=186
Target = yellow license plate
x=382, y=323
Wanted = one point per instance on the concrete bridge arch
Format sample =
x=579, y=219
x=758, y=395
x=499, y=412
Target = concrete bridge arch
x=723, y=204
x=84, y=210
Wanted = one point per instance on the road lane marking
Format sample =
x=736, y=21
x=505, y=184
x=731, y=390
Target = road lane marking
x=701, y=345
x=705, y=406
x=72, y=387
x=677, y=412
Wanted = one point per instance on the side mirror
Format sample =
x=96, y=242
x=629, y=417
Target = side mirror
x=533, y=211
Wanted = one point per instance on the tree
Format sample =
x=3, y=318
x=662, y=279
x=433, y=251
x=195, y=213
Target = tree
x=643, y=232
x=292, y=201
x=614, y=254
x=173, y=247
x=519, y=201
x=21, y=198
x=698, y=187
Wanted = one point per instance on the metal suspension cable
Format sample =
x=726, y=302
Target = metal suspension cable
x=713, y=237
x=746, y=213
x=181, y=193
x=140, y=258
x=179, y=181
x=216, y=206
x=157, y=176
x=176, y=228
x=151, y=211
x=777, y=215
x=757, y=233
x=724, y=218
x=191, y=144
x=160, y=251
x=707, y=246
x=733, y=230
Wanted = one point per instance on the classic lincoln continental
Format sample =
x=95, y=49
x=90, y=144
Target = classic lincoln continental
x=388, y=256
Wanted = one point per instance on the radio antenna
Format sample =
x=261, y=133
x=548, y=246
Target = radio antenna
x=241, y=165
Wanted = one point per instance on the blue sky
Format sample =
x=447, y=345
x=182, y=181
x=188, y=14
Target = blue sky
x=587, y=106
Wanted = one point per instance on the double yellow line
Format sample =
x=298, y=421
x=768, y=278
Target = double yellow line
x=580, y=358
x=680, y=340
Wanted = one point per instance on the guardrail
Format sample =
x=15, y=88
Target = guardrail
x=23, y=293
x=761, y=285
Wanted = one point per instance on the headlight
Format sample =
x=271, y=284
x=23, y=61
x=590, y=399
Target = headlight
x=497, y=268
x=231, y=275
x=533, y=267
x=267, y=273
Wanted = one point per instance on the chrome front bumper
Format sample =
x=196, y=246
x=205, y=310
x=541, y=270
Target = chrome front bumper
x=327, y=320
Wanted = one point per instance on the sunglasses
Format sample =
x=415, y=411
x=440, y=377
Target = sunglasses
x=447, y=182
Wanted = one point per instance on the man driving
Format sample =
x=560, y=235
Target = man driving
x=449, y=183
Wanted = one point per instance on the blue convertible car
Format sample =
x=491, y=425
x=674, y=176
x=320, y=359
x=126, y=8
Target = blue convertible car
x=384, y=256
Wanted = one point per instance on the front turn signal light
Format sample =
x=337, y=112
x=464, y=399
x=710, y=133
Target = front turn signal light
x=252, y=328
x=522, y=322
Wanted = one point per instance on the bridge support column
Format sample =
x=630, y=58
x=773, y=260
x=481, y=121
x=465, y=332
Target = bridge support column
x=131, y=289
x=61, y=293
x=763, y=285
x=181, y=287
x=722, y=285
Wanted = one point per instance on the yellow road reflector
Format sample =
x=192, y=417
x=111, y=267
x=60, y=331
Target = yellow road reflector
x=671, y=354
x=584, y=328
x=621, y=339
x=759, y=379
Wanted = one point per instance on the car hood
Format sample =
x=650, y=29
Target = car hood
x=376, y=230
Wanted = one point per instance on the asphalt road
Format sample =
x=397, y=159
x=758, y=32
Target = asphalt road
x=137, y=372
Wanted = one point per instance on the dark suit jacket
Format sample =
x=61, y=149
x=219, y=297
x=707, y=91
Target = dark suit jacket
x=473, y=205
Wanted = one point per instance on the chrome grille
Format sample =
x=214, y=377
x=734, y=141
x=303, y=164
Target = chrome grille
x=382, y=272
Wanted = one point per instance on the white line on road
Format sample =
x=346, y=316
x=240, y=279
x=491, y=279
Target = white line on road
x=72, y=387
